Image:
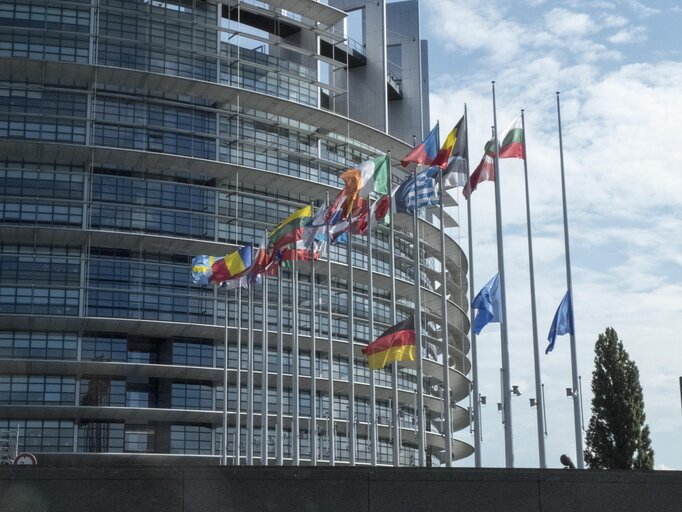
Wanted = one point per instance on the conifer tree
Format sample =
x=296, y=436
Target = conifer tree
x=617, y=437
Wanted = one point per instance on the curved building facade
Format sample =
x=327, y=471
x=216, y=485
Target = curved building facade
x=135, y=135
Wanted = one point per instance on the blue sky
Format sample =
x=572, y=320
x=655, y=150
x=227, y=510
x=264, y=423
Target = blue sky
x=618, y=65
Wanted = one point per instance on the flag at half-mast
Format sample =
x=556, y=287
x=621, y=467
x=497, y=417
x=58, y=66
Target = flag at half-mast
x=562, y=323
x=216, y=270
x=418, y=190
x=289, y=231
x=424, y=153
x=512, y=145
x=488, y=305
x=397, y=343
x=370, y=176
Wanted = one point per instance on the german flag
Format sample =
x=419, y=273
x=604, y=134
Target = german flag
x=398, y=343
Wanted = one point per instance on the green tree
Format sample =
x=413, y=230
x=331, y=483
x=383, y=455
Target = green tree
x=617, y=437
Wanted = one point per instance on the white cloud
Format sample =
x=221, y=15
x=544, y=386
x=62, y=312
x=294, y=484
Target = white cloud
x=613, y=21
x=641, y=9
x=568, y=23
x=629, y=35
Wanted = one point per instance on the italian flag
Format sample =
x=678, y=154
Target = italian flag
x=513, y=142
x=374, y=176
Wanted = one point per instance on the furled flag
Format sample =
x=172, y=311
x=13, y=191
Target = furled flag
x=424, y=153
x=397, y=343
x=418, y=190
x=209, y=269
x=485, y=171
x=488, y=304
x=513, y=141
x=455, y=174
x=562, y=323
x=290, y=230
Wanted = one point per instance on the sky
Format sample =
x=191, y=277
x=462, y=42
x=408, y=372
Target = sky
x=618, y=66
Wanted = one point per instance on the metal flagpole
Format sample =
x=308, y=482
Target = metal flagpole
x=280, y=372
x=249, y=384
x=418, y=328
x=474, y=355
x=539, y=404
x=295, y=430
x=350, y=431
x=394, y=374
x=264, y=445
x=372, y=425
x=331, y=428
x=506, y=387
x=574, y=357
x=312, y=435
x=447, y=420
x=225, y=380
x=238, y=415
x=238, y=422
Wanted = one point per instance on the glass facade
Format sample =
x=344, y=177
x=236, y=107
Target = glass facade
x=110, y=186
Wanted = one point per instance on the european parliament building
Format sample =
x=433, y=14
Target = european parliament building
x=136, y=134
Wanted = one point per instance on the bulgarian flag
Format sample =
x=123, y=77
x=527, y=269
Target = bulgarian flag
x=397, y=343
x=513, y=144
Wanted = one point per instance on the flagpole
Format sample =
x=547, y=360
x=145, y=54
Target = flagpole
x=506, y=387
x=225, y=380
x=447, y=421
x=394, y=374
x=569, y=281
x=238, y=422
x=249, y=384
x=474, y=355
x=536, y=355
x=350, y=431
x=265, y=370
x=418, y=328
x=280, y=371
x=372, y=380
x=312, y=435
x=295, y=430
x=331, y=435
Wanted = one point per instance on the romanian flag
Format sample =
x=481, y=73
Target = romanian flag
x=209, y=269
x=513, y=144
x=424, y=153
x=398, y=343
x=290, y=230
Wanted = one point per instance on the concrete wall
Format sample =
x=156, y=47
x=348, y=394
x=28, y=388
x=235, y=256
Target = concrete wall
x=367, y=84
x=211, y=488
x=405, y=116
